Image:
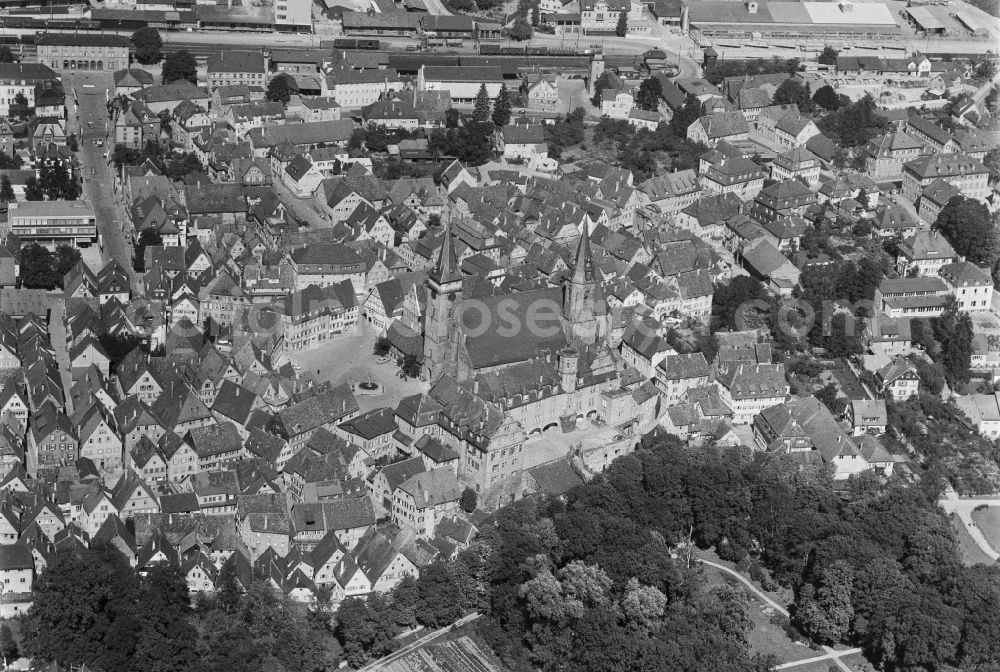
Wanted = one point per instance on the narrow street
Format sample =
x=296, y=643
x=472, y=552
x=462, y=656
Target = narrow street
x=302, y=209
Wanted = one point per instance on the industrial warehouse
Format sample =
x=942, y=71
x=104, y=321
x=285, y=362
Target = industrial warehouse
x=792, y=19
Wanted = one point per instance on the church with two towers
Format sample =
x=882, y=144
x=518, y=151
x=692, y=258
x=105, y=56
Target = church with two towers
x=504, y=367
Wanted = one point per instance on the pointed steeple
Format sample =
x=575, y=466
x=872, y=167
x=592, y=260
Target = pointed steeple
x=446, y=269
x=583, y=270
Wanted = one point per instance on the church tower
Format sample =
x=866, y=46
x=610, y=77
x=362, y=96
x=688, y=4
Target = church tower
x=444, y=291
x=580, y=293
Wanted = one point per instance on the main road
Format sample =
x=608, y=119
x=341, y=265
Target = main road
x=87, y=97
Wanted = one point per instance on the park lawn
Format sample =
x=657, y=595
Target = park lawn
x=767, y=637
x=988, y=522
x=971, y=553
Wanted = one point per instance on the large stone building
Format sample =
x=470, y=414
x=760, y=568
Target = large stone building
x=231, y=67
x=70, y=51
x=506, y=366
x=24, y=79
x=963, y=172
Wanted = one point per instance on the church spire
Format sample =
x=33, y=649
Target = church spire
x=446, y=269
x=583, y=271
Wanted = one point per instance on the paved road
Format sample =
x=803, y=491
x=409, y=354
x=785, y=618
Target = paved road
x=980, y=94
x=963, y=508
x=413, y=646
x=303, y=209
x=92, y=121
x=830, y=653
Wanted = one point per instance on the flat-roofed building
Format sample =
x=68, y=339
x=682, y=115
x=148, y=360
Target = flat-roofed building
x=293, y=14
x=52, y=222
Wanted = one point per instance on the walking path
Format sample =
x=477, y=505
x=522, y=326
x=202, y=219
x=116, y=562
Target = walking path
x=830, y=653
x=963, y=508
x=835, y=656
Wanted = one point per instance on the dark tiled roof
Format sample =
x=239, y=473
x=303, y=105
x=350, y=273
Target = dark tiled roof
x=555, y=478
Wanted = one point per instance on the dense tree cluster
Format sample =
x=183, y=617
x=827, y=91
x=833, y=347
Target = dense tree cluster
x=729, y=298
x=649, y=95
x=92, y=609
x=590, y=585
x=7, y=194
x=828, y=56
x=878, y=568
x=180, y=65
x=718, y=71
x=174, y=165
x=41, y=269
x=280, y=89
x=793, y=92
x=643, y=151
x=565, y=132
x=829, y=99
x=502, y=108
x=472, y=143
x=854, y=124
x=55, y=182
x=685, y=116
x=971, y=230
x=148, y=45
x=12, y=162
x=952, y=343
x=851, y=287
x=520, y=30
